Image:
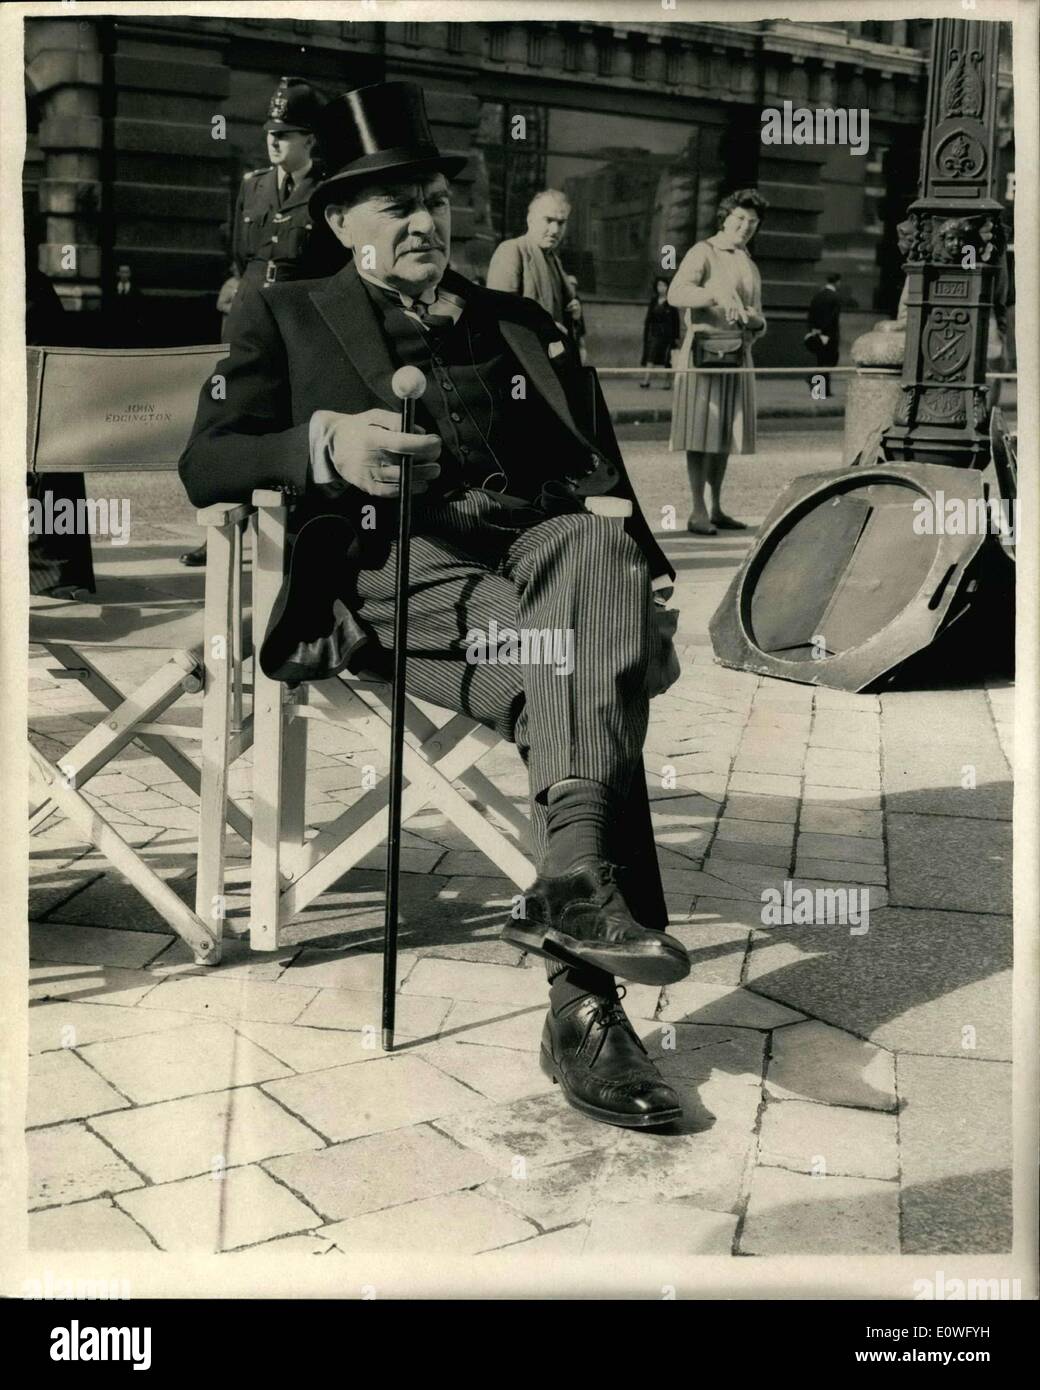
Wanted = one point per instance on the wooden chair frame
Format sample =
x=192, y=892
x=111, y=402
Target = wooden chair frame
x=289, y=870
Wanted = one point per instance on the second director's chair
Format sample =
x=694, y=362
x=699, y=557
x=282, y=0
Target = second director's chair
x=101, y=411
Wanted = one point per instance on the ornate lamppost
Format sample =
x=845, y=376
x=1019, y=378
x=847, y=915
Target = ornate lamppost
x=955, y=259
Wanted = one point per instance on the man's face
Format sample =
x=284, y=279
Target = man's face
x=290, y=149
x=401, y=232
x=547, y=222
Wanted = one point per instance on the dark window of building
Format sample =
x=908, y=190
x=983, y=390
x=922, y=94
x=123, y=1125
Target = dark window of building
x=639, y=61
x=604, y=59
x=571, y=51
x=673, y=63
x=635, y=186
x=454, y=38
x=496, y=42
x=535, y=46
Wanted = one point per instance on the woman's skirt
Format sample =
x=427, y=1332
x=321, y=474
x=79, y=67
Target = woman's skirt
x=713, y=411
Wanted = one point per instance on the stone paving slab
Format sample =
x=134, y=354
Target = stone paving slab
x=500, y=1073
x=458, y=1223
x=554, y=1194
x=496, y=1025
x=480, y=984
x=911, y=982
x=704, y=1002
x=383, y=1094
x=811, y=1061
x=86, y=1226
x=65, y=1023
x=854, y=848
x=829, y=1140
x=53, y=886
x=205, y=1214
x=57, y=941
x=112, y=902
x=378, y=1171
x=852, y=874
x=794, y=1214
x=204, y=1134
x=777, y=856
x=539, y=1130
x=955, y=1148
x=63, y=1087
x=67, y=1163
x=110, y=984
x=706, y=1160
x=217, y=997
x=950, y=862
x=821, y=818
x=360, y=1011
x=200, y=1056
x=308, y=1049
x=666, y=1228
x=344, y=970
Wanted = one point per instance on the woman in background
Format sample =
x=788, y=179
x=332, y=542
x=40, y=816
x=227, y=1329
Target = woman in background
x=713, y=415
x=661, y=332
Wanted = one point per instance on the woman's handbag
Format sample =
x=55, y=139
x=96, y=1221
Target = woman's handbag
x=718, y=350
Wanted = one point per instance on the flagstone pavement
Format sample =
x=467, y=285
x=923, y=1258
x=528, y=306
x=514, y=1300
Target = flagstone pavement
x=845, y=1090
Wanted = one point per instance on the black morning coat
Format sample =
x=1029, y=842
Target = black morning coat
x=310, y=345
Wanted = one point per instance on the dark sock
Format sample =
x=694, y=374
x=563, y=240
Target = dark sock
x=570, y=982
x=578, y=815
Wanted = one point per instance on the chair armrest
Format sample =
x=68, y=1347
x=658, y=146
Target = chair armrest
x=269, y=497
x=223, y=514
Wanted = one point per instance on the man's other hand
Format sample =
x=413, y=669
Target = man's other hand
x=365, y=451
x=226, y=297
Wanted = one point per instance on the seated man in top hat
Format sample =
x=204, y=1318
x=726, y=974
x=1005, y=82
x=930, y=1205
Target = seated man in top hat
x=507, y=446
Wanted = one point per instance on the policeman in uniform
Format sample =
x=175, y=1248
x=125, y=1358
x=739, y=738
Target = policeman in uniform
x=275, y=237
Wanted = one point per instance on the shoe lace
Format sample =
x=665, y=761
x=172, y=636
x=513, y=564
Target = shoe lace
x=609, y=1010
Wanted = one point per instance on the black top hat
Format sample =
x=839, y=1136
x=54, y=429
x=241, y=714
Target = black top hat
x=294, y=106
x=375, y=131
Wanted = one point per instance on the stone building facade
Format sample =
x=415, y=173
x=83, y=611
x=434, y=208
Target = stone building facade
x=644, y=125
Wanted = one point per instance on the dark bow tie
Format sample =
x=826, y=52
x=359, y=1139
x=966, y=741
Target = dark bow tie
x=427, y=314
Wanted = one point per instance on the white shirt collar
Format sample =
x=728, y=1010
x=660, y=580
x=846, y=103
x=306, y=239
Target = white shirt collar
x=427, y=297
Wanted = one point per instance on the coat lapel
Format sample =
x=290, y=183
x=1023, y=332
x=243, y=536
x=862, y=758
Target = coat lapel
x=344, y=305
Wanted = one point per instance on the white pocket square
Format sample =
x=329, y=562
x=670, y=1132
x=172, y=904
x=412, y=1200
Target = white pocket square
x=556, y=348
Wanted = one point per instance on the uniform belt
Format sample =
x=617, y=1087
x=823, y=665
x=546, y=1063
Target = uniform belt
x=274, y=270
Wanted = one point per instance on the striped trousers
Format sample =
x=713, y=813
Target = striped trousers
x=570, y=690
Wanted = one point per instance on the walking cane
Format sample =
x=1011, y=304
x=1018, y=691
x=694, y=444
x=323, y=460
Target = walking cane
x=408, y=384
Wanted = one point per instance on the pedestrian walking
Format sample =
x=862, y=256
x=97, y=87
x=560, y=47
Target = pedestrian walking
x=662, y=331
x=824, y=336
x=713, y=412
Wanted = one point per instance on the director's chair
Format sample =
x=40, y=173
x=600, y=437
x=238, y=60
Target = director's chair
x=441, y=753
x=442, y=750
x=102, y=411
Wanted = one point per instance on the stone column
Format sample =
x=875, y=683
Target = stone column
x=63, y=70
